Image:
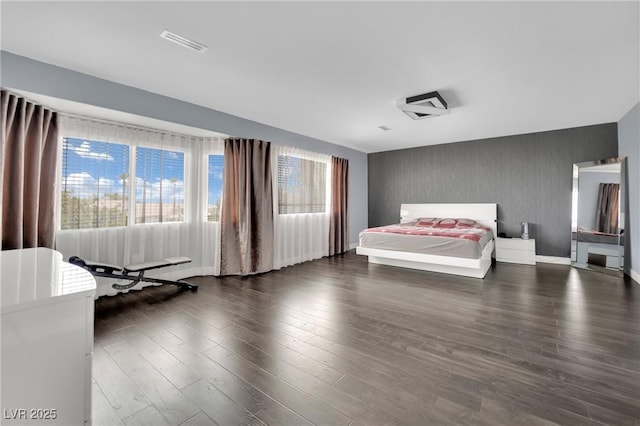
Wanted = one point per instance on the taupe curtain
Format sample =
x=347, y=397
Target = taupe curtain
x=29, y=158
x=607, y=209
x=338, y=222
x=247, y=208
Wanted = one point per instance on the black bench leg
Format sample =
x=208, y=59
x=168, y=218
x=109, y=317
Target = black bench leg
x=135, y=279
x=182, y=284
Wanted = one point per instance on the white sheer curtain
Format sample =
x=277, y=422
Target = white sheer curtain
x=195, y=237
x=303, y=236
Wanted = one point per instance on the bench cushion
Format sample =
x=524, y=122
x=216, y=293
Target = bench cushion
x=178, y=260
x=94, y=266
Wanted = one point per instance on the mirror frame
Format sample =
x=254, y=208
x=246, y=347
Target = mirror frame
x=621, y=213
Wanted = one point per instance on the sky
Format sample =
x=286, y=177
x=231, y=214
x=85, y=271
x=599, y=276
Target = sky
x=97, y=168
x=90, y=167
x=216, y=167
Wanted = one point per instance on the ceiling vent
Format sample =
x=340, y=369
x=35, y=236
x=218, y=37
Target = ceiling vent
x=423, y=106
x=183, y=41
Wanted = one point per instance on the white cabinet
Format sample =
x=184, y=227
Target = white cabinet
x=47, y=339
x=516, y=250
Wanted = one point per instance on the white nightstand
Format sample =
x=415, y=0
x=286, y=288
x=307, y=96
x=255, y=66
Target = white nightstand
x=516, y=250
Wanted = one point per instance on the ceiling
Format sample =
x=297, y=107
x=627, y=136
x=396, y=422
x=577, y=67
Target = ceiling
x=333, y=70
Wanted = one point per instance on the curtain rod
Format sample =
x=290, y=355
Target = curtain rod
x=133, y=126
x=111, y=122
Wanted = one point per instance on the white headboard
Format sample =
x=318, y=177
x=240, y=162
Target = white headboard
x=484, y=213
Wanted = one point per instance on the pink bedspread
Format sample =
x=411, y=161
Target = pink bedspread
x=451, y=228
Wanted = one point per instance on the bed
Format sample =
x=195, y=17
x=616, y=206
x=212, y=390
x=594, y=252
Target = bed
x=449, y=257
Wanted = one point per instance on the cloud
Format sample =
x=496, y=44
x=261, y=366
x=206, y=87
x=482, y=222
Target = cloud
x=84, y=185
x=84, y=151
x=165, y=187
x=106, y=183
x=216, y=174
x=78, y=180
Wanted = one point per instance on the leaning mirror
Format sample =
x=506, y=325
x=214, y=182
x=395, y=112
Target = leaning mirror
x=597, y=217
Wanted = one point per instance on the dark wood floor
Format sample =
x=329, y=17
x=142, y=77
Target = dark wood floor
x=338, y=341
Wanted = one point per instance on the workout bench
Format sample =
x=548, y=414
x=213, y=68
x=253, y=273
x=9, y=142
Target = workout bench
x=128, y=272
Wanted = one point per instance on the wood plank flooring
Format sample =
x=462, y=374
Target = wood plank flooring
x=340, y=342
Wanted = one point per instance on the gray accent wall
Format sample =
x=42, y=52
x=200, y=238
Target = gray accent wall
x=529, y=176
x=21, y=73
x=629, y=146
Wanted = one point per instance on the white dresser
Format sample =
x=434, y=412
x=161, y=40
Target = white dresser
x=516, y=250
x=47, y=339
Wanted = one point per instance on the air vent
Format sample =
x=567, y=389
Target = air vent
x=423, y=106
x=183, y=41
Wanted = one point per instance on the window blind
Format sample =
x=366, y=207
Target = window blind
x=214, y=187
x=302, y=185
x=159, y=185
x=95, y=190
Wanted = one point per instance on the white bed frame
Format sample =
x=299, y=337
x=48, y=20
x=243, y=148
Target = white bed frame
x=484, y=213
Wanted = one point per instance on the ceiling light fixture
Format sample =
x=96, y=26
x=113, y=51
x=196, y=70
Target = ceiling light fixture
x=423, y=106
x=183, y=41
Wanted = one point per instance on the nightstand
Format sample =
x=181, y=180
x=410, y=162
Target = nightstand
x=516, y=250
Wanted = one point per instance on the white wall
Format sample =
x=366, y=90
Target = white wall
x=629, y=146
x=21, y=73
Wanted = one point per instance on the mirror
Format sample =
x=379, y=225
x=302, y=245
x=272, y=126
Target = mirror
x=597, y=215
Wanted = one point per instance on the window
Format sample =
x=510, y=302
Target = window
x=95, y=189
x=159, y=185
x=214, y=191
x=302, y=185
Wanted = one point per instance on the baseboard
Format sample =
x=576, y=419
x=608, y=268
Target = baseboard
x=634, y=276
x=553, y=259
x=352, y=246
